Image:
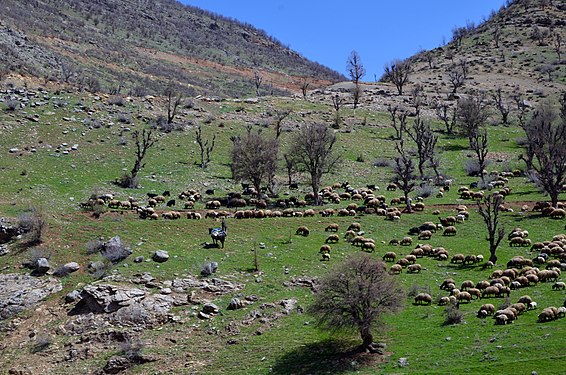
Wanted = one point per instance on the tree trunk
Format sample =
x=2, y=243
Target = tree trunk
x=554, y=198
x=493, y=256
x=315, y=192
x=367, y=340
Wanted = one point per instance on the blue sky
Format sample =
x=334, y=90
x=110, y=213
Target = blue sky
x=327, y=31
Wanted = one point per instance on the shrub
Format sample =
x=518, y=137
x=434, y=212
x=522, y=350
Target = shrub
x=132, y=349
x=36, y=253
x=424, y=191
x=381, y=162
x=116, y=100
x=12, y=105
x=416, y=289
x=33, y=224
x=124, y=118
x=453, y=315
x=472, y=167
x=41, y=343
x=127, y=181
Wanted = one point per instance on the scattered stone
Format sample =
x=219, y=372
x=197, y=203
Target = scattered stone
x=41, y=267
x=115, y=250
x=210, y=308
x=403, y=362
x=139, y=259
x=18, y=292
x=288, y=305
x=235, y=304
x=4, y=250
x=14, y=150
x=209, y=269
x=73, y=296
x=160, y=256
x=72, y=267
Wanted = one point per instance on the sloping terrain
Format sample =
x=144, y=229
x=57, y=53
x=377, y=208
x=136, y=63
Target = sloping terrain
x=138, y=46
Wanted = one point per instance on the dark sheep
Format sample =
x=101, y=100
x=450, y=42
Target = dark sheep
x=171, y=203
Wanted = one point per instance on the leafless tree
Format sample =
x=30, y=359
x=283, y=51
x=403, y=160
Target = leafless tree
x=313, y=147
x=258, y=79
x=404, y=173
x=497, y=35
x=278, y=118
x=429, y=58
x=291, y=166
x=398, y=72
x=447, y=114
x=546, y=148
x=337, y=104
x=557, y=43
x=522, y=108
x=254, y=157
x=355, y=67
x=480, y=146
x=355, y=295
x=398, y=120
x=174, y=99
x=143, y=141
x=304, y=87
x=206, y=147
x=456, y=77
x=417, y=97
x=489, y=210
x=540, y=35
x=356, y=93
x=425, y=140
x=502, y=105
x=471, y=114
x=547, y=69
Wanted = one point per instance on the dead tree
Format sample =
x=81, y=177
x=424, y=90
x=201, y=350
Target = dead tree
x=257, y=80
x=546, y=150
x=480, y=146
x=471, y=113
x=447, y=114
x=557, y=43
x=254, y=157
x=143, y=141
x=425, y=140
x=502, y=106
x=174, y=99
x=337, y=104
x=489, y=210
x=304, y=87
x=522, y=108
x=355, y=67
x=398, y=72
x=497, y=36
x=206, y=148
x=291, y=166
x=456, y=77
x=398, y=120
x=313, y=148
x=404, y=174
x=278, y=118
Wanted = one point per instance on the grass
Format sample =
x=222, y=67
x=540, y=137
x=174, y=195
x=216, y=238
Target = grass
x=290, y=343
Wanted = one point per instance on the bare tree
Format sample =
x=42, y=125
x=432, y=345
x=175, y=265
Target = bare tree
x=174, y=99
x=447, y=114
x=355, y=295
x=398, y=120
x=258, y=79
x=254, y=157
x=304, y=87
x=356, y=92
x=313, y=147
x=547, y=69
x=522, y=107
x=502, y=106
x=143, y=141
x=278, y=118
x=471, y=114
x=398, y=72
x=355, y=67
x=456, y=77
x=539, y=35
x=480, y=146
x=337, y=104
x=206, y=147
x=404, y=174
x=497, y=35
x=546, y=148
x=291, y=166
x=425, y=140
x=489, y=210
x=557, y=43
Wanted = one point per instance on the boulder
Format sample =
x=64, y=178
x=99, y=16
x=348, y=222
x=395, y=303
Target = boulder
x=41, y=266
x=235, y=304
x=115, y=250
x=18, y=292
x=139, y=259
x=210, y=308
x=209, y=269
x=105, y=298
x=73, y=296
x=160, y=256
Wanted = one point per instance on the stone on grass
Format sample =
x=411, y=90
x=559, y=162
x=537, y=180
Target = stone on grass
x=160, y=256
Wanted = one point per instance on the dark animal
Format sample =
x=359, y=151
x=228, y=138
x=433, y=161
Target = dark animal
x=152, y=195
x=210, y=192
x=294, y=186
x=218, y=234
x=171, y=203
x=166, y=193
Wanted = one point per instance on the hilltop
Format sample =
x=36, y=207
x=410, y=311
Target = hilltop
x=136, y=47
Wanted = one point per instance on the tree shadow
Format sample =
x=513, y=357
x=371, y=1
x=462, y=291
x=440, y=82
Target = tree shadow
x=325, y=357
x=454, y=147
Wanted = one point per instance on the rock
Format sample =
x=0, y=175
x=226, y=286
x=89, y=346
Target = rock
x=72, y=267
x=288, y=305
x=139, y=259
x=235, y=304
x=73, y=296
x=209, y=268
x=41, y=266
x=14, y=150
x=115, y=365
x=202, y=315
x=4, y=250
x=160, y=256
x=403, y=362
x=115, y=251
x=104, y=298
x=8, y=231
x=210, y=308
x=18, y=292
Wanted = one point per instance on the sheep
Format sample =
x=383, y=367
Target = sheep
x=532, y=278
x=325, y=257
x=448, y=221
x=394, y=242
x=488, y=308
x=423, y=299
x=488, y=264
x=411, y=258
x=520, y=307
x=425, y=235
x=547, y=314
x=302, y=231
x=467, y=284
x=501, y=319
x=332, y=228
x=419, y=206
x=349, y=235
x=482, y=284
x=457, y=258
x=355, y=227
x=389, y=256
x=446, y=282
x=325, y=249
x=418, y=252
x=492, y=291
x=559, y=286
x=392, y=186
x=395, y=269
x=369, y=246
x=464, y=296
x=474, y=292
x=532, y=305
x=561, y=312
x=414, y=268
x=406, y=241
x=516, y=241
x=443, y=301
x=358, y=240
x=558, y=213
x=470, y=259
x=333, y=238
x=449, y=231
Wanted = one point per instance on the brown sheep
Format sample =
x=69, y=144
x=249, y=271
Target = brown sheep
x=411, y=258
x=443, y=301
x=482, y=284
x=423, y=299
x=389, y=257
x=457, y=258
x=302, y=231
x=464, y=296
x=490, y=291
x=332, y=228
x=547, y=314
x=406, y=241
x=449, y=231
x=475, y=293
x=395, y=269
x=467, y=284
x=446, y=282
x=414, y=268
x=325, y=249
x=333, y=238
x=470, y=259
x=425, y=235
x=369, y=246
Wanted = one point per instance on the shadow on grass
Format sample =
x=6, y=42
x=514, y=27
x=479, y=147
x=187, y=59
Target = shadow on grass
x=454, y=147
x=325, y=357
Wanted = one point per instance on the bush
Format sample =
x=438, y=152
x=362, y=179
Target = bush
x=116, y=100
x=12, y=105
x=453, y=315
x=124, y=118
x=36, y=253
x=381, y=162
x=424, y=191
x=132, y=349
x=94, y=246
x=33, y=224
x=127, y=181
x=472, y=167
x=41, y=343
x=416, y=289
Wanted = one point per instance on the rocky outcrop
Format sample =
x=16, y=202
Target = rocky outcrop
x=19, y=292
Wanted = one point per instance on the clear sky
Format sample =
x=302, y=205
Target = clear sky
x=327, y=31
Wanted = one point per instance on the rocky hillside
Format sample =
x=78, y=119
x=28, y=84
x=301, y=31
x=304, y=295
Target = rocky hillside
x=137, y=46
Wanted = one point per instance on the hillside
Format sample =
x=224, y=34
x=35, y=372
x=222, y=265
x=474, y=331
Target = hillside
x=137, y=46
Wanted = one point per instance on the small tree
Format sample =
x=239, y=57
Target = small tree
x=546, y=148
x=355, y=67
x=337, y=104
x=521, y=108
x=404, y=174
x=557, y=43
x=254, y=157
x=489, y=210
x=143, y=141
x=497, y=35
x=398, y=120
x=257, y=80
x=447, y=114
x=425, y=140
x=313, y=148
x=456, y=77
x=398, y=73
x=174, y=99
x=502, y=106
x=291, y=166
x=278, y=118
x=206, y=147
x=471, y=113
x=304, y=87
x=356, y=295
x=480, y=146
